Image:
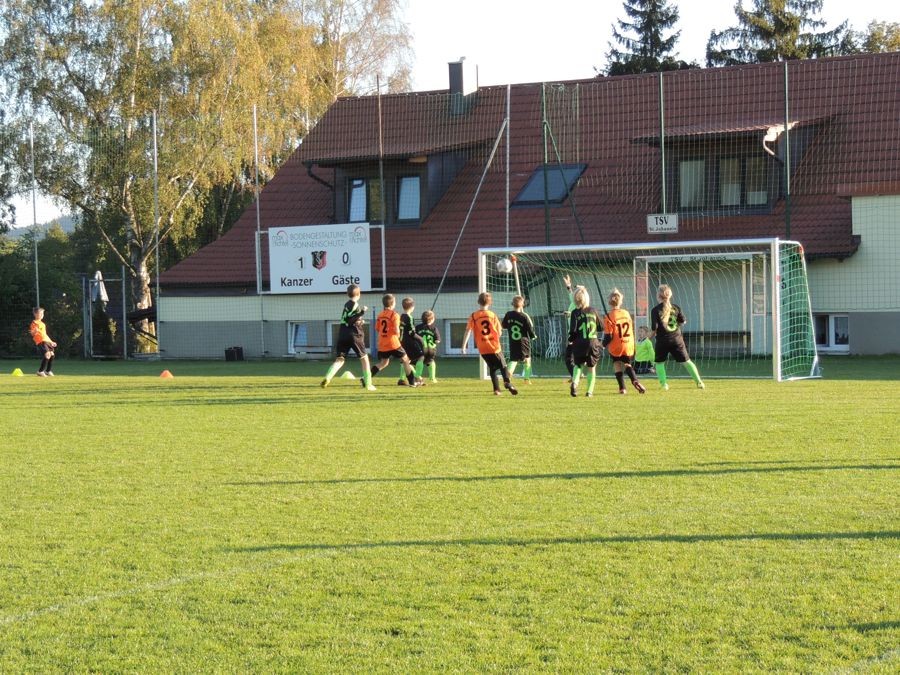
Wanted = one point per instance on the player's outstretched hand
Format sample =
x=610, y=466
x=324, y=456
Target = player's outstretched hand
x=567, y=279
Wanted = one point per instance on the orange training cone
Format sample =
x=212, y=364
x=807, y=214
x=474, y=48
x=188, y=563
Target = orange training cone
x=166, y=375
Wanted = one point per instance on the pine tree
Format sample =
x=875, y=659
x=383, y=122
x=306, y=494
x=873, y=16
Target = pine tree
x=644, y=49
x=774, y=30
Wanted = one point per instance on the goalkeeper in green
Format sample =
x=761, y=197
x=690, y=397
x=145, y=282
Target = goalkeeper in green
x=666, y=320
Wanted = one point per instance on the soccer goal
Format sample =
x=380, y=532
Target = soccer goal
x=746, y=300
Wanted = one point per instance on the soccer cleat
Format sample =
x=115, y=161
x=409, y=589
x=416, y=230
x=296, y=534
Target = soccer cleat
x=41, y=373
x=623, y=391
x=664, y=387
x=573, y=390
x=511, y=389
x=371, y=387
x=402, y=383
x=527, y=381
x=700, y=384
x=50, y=374
x=496, y=392
x=590, y=394
x=324, y=383
x=420, y=381
x=641, y=388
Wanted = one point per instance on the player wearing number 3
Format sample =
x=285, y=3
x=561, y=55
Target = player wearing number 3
x=619, y=340
x=485, y=326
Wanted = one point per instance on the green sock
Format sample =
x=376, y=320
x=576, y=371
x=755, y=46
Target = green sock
x=512, y=367
x=528, y=371
x=332, y=370
x=432, y=371
x=692, y=369
x=419, y=366
x=367, y=377
x=661, y=373
x=576, y=375
x=591, y=378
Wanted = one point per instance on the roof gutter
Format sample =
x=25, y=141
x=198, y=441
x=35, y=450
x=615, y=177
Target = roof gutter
x=309, y=172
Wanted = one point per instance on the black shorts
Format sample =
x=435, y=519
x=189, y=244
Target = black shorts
x=413, y=350
x=392, y=354
x=494, y=361
x=519, y=351
x=586, y=353
x=355, y=342
x=676, y=349
x=627, y=360
x=430, y=355
x=43, y=348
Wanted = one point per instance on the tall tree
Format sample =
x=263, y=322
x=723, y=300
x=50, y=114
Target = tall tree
x=359, y=42
x=91, y=73
x=774, y=30
x=644, y=47
x=879, y=37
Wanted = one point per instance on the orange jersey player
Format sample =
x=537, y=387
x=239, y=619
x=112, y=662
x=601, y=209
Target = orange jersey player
x=485, y=326
x=619, y=340
x=387, y=325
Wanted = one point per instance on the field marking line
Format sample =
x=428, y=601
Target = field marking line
x=865, y=665
x=155, y=586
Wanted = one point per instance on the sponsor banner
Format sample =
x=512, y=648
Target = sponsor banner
x=319, y=258
x=662, y=223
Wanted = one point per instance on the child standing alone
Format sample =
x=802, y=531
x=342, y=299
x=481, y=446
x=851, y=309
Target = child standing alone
x=43, y=342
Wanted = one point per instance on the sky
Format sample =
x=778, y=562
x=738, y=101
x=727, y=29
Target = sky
x=511, y=41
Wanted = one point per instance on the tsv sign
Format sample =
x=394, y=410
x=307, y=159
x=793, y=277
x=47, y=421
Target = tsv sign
x=662, y=223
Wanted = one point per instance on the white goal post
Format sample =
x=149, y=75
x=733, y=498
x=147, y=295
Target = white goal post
x=746, y=300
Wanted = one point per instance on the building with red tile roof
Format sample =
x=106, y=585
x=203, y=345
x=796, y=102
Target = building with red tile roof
x=806, y=150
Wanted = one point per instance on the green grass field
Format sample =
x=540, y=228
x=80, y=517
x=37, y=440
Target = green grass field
x=240, y=518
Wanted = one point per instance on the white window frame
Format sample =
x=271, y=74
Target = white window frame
x=830, y=347
x=290, y=335
x=405, y=189
x=449, y=349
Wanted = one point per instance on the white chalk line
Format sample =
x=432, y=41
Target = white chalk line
x=156, y=586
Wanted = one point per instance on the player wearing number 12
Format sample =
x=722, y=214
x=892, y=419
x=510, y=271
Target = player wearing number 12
x=521, y=332
x=619, y=340
x=486, y=327
x=584, y=336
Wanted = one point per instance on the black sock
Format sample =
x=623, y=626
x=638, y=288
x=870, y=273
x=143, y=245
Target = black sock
x=411, y=377
x=374, y=371
x=631, y=376
x=505, y=373
x=45, y=365
x=495, y=381
x=620, y=378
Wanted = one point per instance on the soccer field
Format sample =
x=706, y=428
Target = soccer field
x=240, y=518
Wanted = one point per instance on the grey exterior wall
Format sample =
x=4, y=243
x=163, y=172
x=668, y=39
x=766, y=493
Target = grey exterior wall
x=874, y=332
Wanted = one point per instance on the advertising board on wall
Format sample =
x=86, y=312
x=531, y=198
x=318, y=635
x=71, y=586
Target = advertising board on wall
x=319, y=258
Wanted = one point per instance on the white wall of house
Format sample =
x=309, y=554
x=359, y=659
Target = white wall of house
x=863, y=291
x=264, y=326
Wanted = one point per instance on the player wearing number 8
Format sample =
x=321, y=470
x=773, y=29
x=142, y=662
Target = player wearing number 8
x=619, y=340
x=521, y=333
x=485, y=326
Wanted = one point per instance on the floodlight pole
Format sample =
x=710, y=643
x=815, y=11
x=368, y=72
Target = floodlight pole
x=156, y=231
x=37, y=276
x=262, y=313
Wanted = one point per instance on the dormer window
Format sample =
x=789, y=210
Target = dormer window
x=549, y=183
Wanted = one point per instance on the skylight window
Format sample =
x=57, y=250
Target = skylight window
x=560, y=182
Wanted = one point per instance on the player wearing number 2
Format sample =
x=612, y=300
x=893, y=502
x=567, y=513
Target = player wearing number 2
x=521, y=332
x=619, y=340
x=486, y=327
x=387, y=324
x=584, y=331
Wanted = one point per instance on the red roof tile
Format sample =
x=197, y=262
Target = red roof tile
x=593, y=122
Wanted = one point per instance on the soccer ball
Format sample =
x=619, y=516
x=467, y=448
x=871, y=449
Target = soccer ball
x=504, y=266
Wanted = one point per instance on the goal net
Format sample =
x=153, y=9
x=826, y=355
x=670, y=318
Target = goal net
x=746, y=301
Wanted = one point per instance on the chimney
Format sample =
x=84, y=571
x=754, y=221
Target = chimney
x=463, y=82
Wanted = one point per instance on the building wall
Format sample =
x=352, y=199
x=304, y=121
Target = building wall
x=204, y=327
x=865, y=286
